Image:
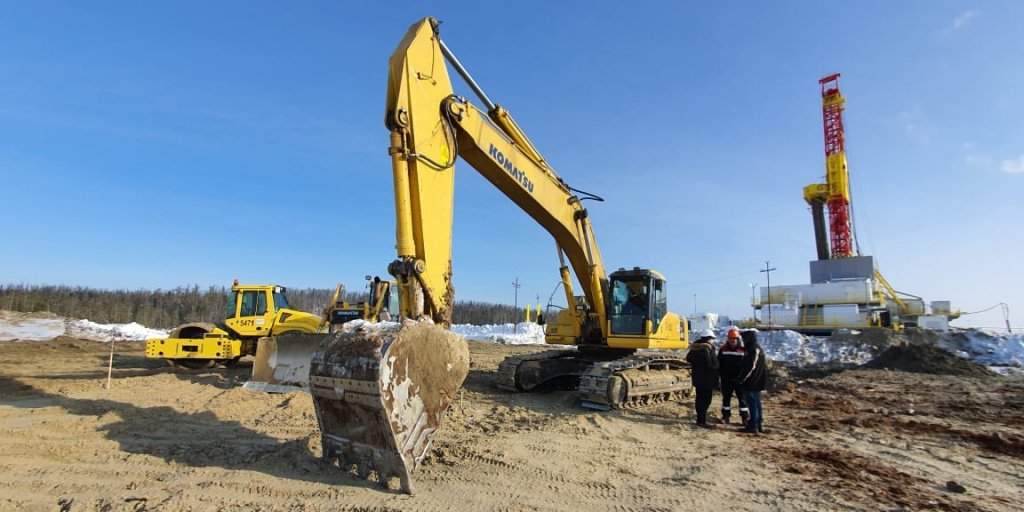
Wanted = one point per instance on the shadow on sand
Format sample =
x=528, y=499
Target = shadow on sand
x=198, y=439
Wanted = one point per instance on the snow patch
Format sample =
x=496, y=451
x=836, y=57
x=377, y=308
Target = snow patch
x=793, y=347
x=86, y=330
x=523, y=333
x=31, y=329
x=987, y=347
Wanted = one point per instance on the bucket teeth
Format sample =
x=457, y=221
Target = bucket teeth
x=380, y=396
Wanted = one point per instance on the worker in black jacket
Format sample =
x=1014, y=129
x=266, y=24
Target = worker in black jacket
x=703, y=374
x=730, y=361
x=753, y=379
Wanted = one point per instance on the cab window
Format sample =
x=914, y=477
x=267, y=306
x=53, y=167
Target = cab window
x=660, y=304
x=280, y=302
x=629, y=305
x=261, y=303
x=232, y=304
x=248, y=303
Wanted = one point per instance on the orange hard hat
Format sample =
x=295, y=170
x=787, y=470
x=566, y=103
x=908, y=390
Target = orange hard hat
x=734, y=333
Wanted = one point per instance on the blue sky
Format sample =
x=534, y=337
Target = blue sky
x=157, y=144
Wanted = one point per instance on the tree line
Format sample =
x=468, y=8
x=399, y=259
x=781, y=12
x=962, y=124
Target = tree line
x=164, y=309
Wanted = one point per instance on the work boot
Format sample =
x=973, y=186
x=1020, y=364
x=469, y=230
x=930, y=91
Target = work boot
x=725, y=419
x=745, y=416
x=750, y=429
x=760, y=429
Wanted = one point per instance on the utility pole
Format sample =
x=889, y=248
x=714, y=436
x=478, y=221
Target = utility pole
x=768, y=273
x=753, y=307
x=1006, y=316
x=695, y=306
x=515, y=288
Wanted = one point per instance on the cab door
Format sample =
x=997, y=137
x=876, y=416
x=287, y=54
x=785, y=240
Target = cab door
x=255, y=316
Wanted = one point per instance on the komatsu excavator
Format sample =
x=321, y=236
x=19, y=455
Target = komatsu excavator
x=380, y=395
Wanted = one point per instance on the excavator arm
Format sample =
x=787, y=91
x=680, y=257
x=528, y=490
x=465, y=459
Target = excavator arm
x=430, y=127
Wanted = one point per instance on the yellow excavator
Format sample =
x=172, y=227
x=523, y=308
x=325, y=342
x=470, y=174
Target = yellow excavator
x=380, y=394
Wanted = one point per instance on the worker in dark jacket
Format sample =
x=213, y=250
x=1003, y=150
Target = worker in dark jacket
x=730, y=361
x=753, y=379
x=703, y=373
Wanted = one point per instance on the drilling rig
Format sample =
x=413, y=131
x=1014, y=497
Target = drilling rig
x=846, y=290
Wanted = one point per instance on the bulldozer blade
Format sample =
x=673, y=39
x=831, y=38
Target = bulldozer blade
x=282, y=362
x=380, y=396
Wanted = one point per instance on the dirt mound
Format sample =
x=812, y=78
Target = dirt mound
x=923, y=358
x=875, y=337
x=15, y=316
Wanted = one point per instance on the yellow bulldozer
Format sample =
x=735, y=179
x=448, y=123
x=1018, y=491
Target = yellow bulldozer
x=282, y=363
x=259, y=322
x=254, y=311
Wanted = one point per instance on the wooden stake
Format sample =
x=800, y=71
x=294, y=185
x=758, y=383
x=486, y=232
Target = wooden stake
x=110, y=365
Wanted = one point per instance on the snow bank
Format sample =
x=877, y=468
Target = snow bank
x=986, y=347
x=29, y=326
x=507, y=334
x=353, y=325
x=86, y=330
x=793, y=347
x=523, y=333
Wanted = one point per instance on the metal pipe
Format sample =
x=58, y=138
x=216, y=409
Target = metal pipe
x=403, y=198
x=465, y=75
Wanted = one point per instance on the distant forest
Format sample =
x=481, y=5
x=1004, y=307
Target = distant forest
x=164, y=309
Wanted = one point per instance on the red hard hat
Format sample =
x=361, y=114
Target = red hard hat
x=734, y=333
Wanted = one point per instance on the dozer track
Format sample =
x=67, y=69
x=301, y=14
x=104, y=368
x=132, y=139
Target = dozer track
x=380, y=396
x=625, y=382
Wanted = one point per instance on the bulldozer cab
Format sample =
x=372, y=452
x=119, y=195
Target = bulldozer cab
x=384, y=298
x=251, y=309
x=639, y=301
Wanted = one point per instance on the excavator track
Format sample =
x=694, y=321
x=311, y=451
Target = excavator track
x=519, y=373
x=635, y=381
x=380, y=396
x=624, y=382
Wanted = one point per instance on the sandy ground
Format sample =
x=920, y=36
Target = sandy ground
x=164, y=439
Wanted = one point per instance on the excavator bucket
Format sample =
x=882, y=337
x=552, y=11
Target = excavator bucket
x=282, y=362
x=380, y=396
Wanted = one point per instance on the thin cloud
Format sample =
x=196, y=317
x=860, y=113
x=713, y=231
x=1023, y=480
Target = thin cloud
x=916, y=127
x=961, y=21
x=1013, y=166
x=978, y=161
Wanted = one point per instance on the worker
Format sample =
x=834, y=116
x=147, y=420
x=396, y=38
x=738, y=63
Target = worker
x=730, y=359
x=753, y=378
x=703, y=374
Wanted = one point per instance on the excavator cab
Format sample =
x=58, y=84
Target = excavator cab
x=638, y=301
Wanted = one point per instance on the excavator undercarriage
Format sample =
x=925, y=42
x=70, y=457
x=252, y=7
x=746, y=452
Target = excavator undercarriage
x=606, y=379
